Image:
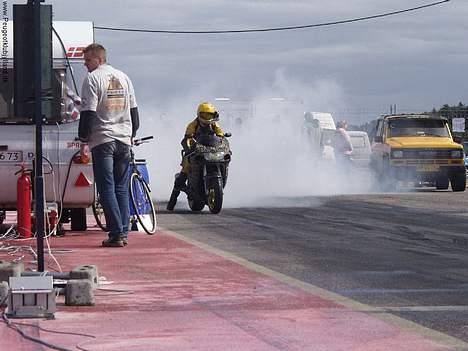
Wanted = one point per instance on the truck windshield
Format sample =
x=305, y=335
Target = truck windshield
x=417, y=127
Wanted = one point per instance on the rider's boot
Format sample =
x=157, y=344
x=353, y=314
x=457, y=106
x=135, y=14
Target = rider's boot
x=179, y=184
x=173, y=200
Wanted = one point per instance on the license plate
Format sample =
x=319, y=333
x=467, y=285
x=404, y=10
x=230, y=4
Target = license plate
x=11, y=156
x=427, y=168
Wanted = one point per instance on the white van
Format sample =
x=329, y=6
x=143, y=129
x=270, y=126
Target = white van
x=68, y=182
x=328, y=128
x=361, y=148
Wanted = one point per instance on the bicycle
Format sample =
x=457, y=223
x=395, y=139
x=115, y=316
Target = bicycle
x=142, y=209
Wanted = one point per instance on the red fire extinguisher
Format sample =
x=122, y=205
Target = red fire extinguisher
x=23, y=203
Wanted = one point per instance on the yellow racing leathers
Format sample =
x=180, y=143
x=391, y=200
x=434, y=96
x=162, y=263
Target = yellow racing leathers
x=193, y=129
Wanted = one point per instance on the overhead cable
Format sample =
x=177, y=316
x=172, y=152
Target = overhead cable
x=357, y=19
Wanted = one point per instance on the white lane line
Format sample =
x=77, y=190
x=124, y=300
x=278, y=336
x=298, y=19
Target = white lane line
x=424, y=308
x=401, y=291
x=381, y=313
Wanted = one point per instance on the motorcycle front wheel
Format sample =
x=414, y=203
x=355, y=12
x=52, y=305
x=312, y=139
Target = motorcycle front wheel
x=215, y=196
x=195, y=204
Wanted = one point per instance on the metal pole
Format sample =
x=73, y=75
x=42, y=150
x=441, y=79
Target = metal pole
x=39, y=180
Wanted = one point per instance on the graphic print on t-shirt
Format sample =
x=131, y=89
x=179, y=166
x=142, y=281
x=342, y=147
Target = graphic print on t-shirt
x=115, y=95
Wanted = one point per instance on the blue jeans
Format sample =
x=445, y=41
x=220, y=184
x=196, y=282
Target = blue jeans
x=111, y=162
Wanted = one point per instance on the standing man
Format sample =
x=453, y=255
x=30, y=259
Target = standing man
x=108, y=123
x=342, y=145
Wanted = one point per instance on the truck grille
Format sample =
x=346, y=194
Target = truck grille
x=426, y=154
x=426, y=162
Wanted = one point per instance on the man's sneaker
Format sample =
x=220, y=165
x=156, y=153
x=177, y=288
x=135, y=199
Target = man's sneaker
x=125, y=241
x=113, y=242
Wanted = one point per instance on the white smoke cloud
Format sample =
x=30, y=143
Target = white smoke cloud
x=272, y=159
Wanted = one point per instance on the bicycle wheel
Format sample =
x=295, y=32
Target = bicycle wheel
x=143, y=206
x=98, y=211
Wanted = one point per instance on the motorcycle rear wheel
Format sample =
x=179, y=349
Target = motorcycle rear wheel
x=215, y=196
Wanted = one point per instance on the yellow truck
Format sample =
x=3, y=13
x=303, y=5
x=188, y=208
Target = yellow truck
x=417, y=148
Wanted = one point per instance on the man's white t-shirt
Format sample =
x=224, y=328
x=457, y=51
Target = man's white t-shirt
x=108, y=92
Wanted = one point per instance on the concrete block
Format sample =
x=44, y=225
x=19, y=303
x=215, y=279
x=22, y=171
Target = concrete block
x=3, y=293
x=89, y=272
x=79, y=292
x=10, y=269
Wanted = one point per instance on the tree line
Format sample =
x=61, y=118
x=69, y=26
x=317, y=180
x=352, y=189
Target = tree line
x=447, y=111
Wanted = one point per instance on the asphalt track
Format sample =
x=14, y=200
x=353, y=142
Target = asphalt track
x=363, y=273
x=406, y=253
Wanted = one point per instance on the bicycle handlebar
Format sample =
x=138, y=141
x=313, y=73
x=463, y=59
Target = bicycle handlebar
x=136, y=142
x=140, y=141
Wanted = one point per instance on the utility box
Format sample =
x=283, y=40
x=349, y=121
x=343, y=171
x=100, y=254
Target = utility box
x=31, y=297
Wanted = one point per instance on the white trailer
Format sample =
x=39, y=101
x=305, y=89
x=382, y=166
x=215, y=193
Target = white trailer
x=68, y=182
x=328, y=129
x=325, y=119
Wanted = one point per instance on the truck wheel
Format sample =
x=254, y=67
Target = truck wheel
x=458, y=181
x=442, y=183
x=389, y=183
x=388, y=179
x=65, y=217
x=78, y=219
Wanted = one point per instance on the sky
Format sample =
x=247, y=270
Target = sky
x=416, y=61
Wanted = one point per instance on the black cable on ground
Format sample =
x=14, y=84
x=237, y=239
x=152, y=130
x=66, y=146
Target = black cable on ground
x=114, y=292
x=54, y=331
x=66, y=183
x=29, y=337
x=15, y=327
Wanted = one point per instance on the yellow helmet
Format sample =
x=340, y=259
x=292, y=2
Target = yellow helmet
x=207, y=114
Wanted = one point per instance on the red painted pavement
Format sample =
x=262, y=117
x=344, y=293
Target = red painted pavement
x=170, y=295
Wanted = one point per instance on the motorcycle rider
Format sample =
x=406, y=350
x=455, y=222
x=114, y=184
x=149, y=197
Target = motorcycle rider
x=204, y=123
